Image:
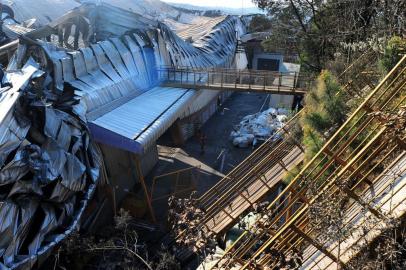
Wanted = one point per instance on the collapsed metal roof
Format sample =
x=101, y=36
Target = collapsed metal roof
x=120, y=63
x=94, y=67
x=49, y=166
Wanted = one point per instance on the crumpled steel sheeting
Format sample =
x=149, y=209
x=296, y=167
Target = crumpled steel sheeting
x=104, y=72
x=216, y=49
x=13, y=130
x=123, y=63
x=113, y=21
x=49, y=168
x=10, y=29
x=111, y=72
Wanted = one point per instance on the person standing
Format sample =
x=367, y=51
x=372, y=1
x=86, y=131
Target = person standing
x=202, y=141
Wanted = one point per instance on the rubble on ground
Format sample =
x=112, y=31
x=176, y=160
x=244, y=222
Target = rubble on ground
x=258, y=127
x=184, y=218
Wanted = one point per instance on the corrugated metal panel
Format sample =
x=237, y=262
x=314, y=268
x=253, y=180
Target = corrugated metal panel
x=188, y=129
x=149, y=159
x=51, y=183
x=203, y=108
x=146, y=117
x=44, y=11
x=105, y=77
x=111, y=76
x=203, y=98
x=12, y=132
x=196, y=31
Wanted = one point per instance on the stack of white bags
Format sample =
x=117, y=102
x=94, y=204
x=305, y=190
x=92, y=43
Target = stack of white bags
x=258, y=127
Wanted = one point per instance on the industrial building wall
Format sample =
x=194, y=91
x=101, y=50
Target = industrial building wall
x=192, y=123
x=281, y=101
x=149, y=159
x=258, y=57
x=205, y=105
x=121, y=169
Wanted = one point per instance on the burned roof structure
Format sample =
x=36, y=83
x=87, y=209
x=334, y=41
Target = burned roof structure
x=114, y=68
x=90, y=76
x=49, y=166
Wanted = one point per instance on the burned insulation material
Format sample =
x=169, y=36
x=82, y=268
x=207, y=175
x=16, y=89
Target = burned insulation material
x=48, y=166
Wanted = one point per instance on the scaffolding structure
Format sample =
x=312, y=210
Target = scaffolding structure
x=364, y=160
x=262, y=172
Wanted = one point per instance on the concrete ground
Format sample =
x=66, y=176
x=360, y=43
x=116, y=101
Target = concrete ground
x=219, y=157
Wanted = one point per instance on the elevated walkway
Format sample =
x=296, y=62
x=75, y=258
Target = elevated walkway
x=283, y=83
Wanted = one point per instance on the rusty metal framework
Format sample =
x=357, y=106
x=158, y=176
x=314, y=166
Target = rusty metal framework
x=260, y=173
x=363, y=160
x=256, y=177
x=140, y=175
x=182, y=182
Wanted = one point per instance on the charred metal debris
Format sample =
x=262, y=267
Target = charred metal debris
x=49, y=166
x=93, y=56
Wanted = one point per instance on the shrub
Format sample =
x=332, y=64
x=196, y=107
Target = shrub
x=394, y=49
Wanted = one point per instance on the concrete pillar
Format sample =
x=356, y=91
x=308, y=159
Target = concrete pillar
x=278, y=101
x=176, y=134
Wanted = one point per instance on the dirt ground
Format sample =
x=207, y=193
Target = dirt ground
x=219, y=157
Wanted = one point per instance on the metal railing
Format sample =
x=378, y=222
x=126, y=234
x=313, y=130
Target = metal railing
x=216, y=201
x=182, y=181
x=243, y=187
x=235, y=80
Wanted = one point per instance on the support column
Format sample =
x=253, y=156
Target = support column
x=144, y=186
x=176, y=134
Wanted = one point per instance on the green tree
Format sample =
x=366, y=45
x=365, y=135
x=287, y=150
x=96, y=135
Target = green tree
x=318, y=29
x=260, y=23
x=324, y=112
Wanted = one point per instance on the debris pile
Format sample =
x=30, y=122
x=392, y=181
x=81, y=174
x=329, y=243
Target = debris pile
x=128, y=244
x=258, y=127
x=48, y=166
x=262, y=229
x=184, y=218
x=396, y=124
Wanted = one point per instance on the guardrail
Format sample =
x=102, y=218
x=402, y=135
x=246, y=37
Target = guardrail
x=235, y=80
